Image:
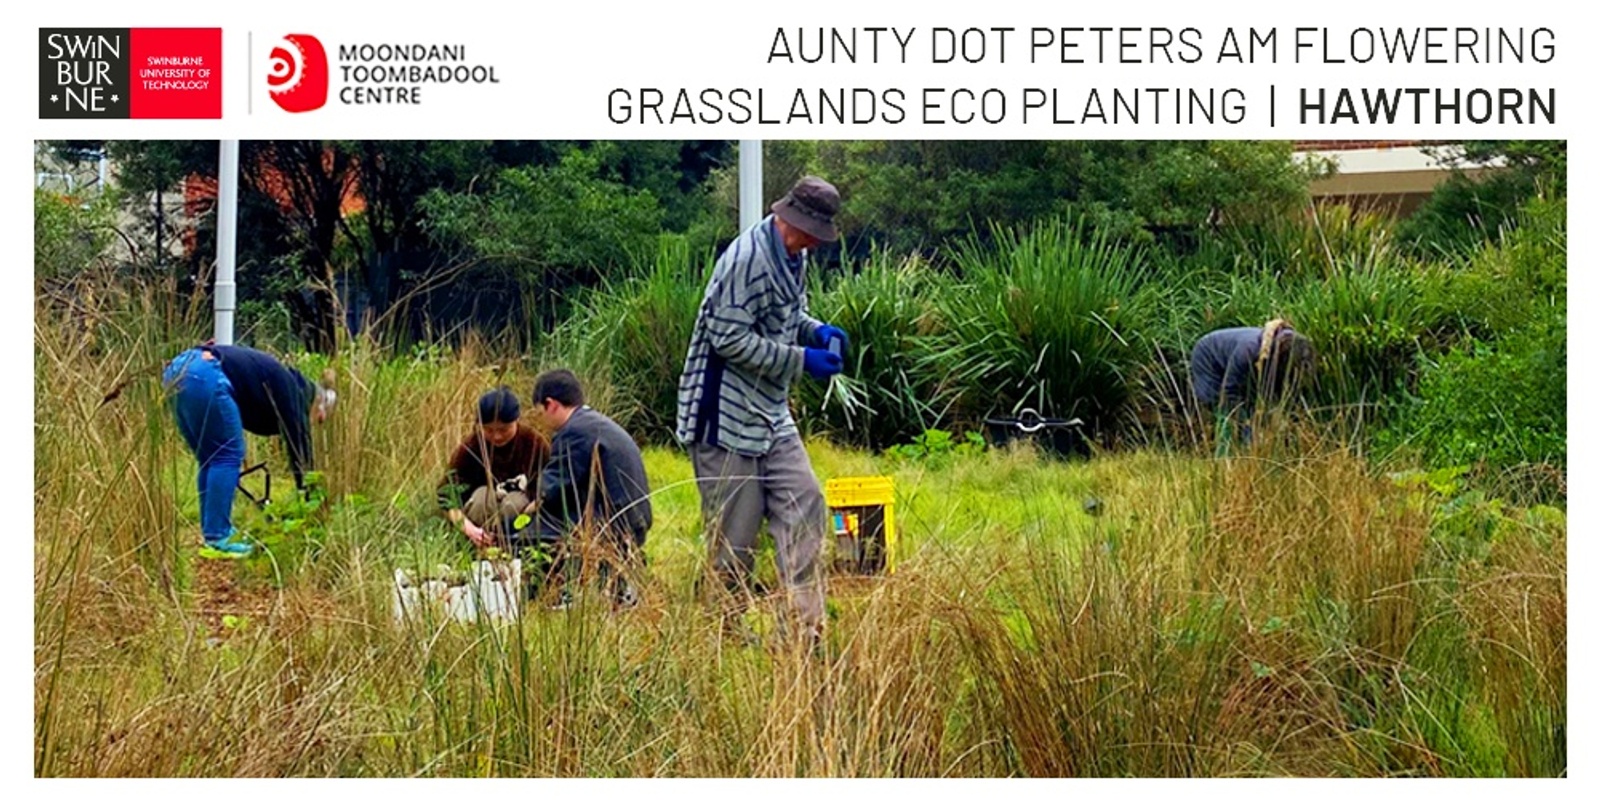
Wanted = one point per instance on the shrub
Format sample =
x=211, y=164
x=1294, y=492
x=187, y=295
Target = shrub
x=937, y=448
x=1051, y=319
x=1500, y=404
x=69, y=236
x=1465, y=213
x=553, y=227
x=633, y=334
x=1497, y=394
x=1504, y=287
x=1365, y=326
x=887, y=309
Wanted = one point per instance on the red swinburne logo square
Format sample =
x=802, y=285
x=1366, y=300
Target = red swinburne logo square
x=177, y=73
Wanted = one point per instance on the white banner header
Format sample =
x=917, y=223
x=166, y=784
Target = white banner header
x=834, y=70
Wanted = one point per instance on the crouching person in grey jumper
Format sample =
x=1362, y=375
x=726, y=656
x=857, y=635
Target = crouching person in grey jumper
x=594, y=486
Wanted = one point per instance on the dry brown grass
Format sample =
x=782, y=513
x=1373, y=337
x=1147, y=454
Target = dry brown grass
x=1285, y=611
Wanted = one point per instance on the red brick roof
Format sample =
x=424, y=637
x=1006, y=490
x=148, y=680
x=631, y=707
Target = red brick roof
x=1363, y=144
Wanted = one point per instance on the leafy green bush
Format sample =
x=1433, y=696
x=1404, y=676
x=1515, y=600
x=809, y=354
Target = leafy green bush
x=1466, y=520
x=292, y=529
x=1050, y=319
x=552, y=226
x=1509, y=285
x=1536, y=250
x=1365, y=327
x=68, y=235
x=921, y=195
x=1466, y=212
x=1497, y=394
x=937, y=448
x=1500, y=404
x=887, y=310
x=632, y=335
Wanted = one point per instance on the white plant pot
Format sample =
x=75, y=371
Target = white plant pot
x=493, y=590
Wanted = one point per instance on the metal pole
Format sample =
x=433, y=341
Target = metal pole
x=227, y=235
x=751, y=207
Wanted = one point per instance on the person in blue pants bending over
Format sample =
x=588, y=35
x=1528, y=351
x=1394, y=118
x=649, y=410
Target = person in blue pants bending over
x=217, y=393
x=1231, y=369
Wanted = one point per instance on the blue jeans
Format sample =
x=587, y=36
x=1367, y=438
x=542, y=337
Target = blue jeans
x=208, y=418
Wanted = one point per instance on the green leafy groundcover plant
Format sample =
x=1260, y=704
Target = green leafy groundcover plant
x=937, y=448
x=1499, y=403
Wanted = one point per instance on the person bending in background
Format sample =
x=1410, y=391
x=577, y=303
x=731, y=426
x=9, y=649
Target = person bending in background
x=486, y=485
x=218, y=392
x=1232, y=368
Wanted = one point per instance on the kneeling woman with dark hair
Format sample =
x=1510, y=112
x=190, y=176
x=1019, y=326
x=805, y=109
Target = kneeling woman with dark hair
x=487, y=483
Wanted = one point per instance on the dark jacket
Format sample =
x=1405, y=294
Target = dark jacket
x=526, y=454
x=273, y=400
x=1222, y=368
x=590, y=454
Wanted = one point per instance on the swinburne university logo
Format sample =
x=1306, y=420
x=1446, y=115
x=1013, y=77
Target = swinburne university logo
x=130, y=73
x=297, y=73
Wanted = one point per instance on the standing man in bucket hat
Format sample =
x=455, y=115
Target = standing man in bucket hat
x=752, y=340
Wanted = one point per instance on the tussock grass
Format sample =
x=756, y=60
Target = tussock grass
x=1284, y=611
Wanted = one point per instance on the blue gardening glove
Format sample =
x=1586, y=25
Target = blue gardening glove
x=828, y=333
x=821, y=364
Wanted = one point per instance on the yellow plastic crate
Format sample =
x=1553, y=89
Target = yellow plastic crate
x=861, y=515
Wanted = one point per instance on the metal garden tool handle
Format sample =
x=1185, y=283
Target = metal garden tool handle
x=266, y=492
x=1024, y=424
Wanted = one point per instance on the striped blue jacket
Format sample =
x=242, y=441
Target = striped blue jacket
x=747, y=348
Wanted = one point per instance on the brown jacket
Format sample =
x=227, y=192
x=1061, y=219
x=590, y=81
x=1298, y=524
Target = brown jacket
x=526, y=454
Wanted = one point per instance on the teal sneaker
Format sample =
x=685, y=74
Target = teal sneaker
x=230, y=547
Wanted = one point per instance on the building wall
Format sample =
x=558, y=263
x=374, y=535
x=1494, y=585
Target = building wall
x=83, y=182
x=1394, y=176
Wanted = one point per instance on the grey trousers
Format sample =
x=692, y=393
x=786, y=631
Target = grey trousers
x=737, y=492
x=493, y=510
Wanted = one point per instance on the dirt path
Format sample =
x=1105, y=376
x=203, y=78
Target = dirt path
x=219, y=594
